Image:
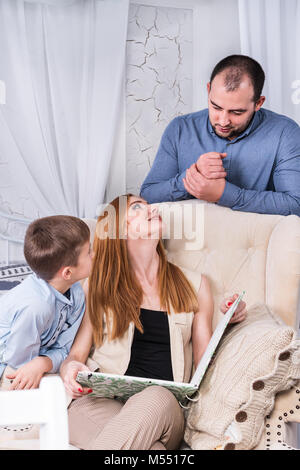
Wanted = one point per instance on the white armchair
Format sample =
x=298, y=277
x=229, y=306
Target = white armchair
x=253, y=252
x=243, y=251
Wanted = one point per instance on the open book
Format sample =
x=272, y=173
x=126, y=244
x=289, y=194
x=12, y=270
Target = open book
x=123, y=386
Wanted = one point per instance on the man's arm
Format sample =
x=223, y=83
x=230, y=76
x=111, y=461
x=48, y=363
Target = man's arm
x=282, y=199
x=164, y=182
x=246, y=200
x=263, y=202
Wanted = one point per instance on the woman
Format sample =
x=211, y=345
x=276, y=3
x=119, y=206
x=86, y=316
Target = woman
x=145, y=318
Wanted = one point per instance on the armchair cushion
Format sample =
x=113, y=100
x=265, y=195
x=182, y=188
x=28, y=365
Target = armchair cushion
x=256, y=359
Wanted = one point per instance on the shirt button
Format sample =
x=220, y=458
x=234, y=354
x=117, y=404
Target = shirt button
x=284, y=356
x=230, y=446
x=258, y=385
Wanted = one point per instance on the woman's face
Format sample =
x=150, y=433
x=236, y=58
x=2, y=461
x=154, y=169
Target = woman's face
x=143, y=220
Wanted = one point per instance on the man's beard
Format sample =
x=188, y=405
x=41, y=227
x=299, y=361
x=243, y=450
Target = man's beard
x=235, y=132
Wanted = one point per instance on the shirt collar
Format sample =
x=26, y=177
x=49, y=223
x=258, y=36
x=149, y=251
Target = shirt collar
x=58, y=295
x=61, y=297
x=254, y=123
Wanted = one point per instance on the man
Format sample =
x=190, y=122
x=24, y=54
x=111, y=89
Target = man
x=234, y=153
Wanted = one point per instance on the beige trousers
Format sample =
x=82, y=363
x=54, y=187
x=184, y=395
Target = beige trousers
x=149, y=420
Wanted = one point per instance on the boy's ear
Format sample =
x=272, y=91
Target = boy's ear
x=66, y=273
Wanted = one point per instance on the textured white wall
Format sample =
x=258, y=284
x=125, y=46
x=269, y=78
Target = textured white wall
x=164, y=55
x=170, y=55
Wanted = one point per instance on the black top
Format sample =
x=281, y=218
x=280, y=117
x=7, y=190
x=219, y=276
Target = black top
x=151, y=350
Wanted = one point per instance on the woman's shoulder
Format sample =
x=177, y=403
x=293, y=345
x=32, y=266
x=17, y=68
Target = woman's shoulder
x=194, y=277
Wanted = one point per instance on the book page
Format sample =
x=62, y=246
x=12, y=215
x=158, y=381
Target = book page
x=214, y=341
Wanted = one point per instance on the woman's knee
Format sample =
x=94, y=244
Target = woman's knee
x=156, y=391
x=159, y=398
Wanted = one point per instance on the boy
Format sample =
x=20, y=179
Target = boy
x=39, y=318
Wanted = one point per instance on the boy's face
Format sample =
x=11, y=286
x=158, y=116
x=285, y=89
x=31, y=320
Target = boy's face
x=84, y=264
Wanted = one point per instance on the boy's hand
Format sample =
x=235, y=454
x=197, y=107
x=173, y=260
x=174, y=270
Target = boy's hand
x=29, y=375
x=240, y=314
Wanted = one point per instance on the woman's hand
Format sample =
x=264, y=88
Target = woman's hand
x=240, y=314
x=69, y=372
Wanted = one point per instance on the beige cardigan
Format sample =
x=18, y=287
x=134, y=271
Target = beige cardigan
x=113, y=356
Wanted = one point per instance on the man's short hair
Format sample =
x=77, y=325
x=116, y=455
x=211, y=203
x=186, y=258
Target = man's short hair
x=236, y=67
x=53, y=242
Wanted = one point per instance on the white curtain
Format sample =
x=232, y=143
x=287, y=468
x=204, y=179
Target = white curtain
x=62, y=63
x=270, y=33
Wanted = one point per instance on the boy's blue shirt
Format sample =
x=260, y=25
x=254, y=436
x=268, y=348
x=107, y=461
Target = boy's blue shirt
x=37, y=320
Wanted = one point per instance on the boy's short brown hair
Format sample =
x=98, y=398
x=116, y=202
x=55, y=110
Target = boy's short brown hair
x=53, y=242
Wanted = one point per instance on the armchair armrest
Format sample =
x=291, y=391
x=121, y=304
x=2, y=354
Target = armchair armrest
x=280, y=430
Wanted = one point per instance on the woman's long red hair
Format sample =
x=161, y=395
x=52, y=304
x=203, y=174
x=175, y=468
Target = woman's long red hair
x=114, y=290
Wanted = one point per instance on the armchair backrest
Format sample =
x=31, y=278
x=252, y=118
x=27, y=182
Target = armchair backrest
x=237, y=251
x=240, y=251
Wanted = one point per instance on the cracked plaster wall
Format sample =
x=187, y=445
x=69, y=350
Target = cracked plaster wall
x=158, y=88
x=158, y=81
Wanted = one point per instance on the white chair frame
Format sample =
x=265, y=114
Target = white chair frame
x=46, y=406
